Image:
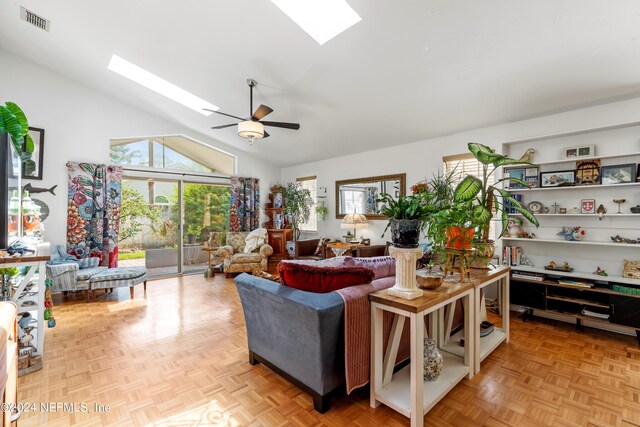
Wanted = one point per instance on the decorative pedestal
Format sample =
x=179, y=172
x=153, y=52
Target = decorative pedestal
x=406, y=286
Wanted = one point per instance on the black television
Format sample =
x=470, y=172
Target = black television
x=10, y=194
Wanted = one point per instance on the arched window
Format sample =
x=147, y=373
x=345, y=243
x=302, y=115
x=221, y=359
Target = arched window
x=175, y=152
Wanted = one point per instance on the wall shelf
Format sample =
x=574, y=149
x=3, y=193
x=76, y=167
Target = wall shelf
x=576, y=187
x=577, y=274
x=582, y=242
x=590, y=216
x=580, y=159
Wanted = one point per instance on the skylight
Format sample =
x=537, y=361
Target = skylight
x=321, y=19
x=159, y=85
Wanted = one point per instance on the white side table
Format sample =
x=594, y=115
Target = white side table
x=406, y=391
x=483, y=346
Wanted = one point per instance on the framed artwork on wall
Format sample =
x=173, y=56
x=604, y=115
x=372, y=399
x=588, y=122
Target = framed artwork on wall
x=588, y=172
x=579, y=151
x=516, y=173
x=588, y=206
x=37, y=135
x=531, y=176
x=618, y=174
x=557, y=178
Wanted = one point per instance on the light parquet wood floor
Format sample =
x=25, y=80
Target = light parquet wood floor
x=179, y=358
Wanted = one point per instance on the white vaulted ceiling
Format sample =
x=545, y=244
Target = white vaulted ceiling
x=410, y=70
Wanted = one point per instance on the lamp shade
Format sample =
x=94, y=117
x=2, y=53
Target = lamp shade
x=354, y=220
x=251, y=130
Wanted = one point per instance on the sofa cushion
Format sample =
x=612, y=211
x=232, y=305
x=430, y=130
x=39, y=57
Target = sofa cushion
x=88, y=273
x=318, y=279
x=89, y=262
x=339, y=261
x=120, y=273
x=382, y=266
x=243, y=258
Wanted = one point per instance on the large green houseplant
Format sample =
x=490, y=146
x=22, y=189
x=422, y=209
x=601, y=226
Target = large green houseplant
x=408, y=216
x=486, y=198
x=14, y=122
x=297, y=206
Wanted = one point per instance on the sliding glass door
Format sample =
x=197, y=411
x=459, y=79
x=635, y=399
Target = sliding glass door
x=165, y=223
x=206, y=211
x=149, y=225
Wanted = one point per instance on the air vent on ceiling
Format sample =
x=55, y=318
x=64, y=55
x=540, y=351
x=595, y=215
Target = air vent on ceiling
x=33, y=19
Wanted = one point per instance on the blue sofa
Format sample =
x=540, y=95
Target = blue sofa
x=298, y=334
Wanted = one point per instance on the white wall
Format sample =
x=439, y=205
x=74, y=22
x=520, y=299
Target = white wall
x=419, y=160
x=80, y=121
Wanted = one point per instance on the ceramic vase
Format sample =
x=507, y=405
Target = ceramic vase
x=432, y=360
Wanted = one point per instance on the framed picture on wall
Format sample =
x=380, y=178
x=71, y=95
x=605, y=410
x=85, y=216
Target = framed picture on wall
x=579, y=151
x=37, y=156
x=531, y=176
x=514, y=173
x=558, y=178
x=618, y=174
x=588, y=206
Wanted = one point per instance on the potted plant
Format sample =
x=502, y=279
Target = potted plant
x=486, y=198
x=322, y=211
x=193, y=232
x=297, y=209
x=297, y=206
x=14, y=122
x=407, y=215
x=430, y=279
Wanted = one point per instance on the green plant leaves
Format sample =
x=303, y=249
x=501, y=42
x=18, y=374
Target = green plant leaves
x=29, y=166
x=19, y=115
x=486, y=156
x=467, y=189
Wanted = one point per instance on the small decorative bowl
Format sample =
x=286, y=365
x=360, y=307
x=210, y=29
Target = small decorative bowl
x=429, y=281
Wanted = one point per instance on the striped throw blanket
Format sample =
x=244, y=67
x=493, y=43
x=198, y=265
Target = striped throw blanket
x=357, y=331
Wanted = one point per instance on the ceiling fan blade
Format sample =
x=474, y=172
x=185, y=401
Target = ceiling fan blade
x=224, y=126
x=224, y=114
x=294, y=126
x=266, y=135
x=261, y=112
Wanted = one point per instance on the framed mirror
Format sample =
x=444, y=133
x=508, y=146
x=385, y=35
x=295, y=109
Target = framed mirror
x=359, y=195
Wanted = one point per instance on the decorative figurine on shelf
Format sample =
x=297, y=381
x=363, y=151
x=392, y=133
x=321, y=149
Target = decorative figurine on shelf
x=601, y=211
x=524, y=260
x=619, y=239
x=528, y=155
x=635, y=209
x=619, y=202
x=572, y=234
x=555, y=208
x=554, y=266
x=600, y=272
x=433, y=360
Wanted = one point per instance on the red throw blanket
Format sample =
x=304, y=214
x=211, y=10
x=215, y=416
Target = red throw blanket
x=357, y=331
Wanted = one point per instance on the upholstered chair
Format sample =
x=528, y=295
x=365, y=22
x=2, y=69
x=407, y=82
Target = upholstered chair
x=236, y=261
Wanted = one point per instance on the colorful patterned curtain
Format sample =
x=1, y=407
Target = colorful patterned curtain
x=245, y=204
x=93, y=211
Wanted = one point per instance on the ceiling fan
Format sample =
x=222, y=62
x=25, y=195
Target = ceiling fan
x=252, y=127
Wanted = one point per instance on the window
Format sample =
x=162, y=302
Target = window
x=311, y=184
x=171, y=152
x=465, y=164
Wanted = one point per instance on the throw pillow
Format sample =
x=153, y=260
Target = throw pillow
x=312, y=278
x=255, y=239
x=382, y=266
x=320, y=246
x=88, y=262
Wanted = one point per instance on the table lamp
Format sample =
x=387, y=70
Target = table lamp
x=355, y=221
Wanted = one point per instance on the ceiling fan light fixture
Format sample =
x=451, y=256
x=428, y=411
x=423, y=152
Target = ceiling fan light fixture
x=251, y=130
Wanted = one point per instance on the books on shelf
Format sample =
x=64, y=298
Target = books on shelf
x=575, y=283
x=537, y=277
x=511, y=255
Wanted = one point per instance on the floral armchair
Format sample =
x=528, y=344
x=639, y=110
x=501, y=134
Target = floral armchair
x=236, y=261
